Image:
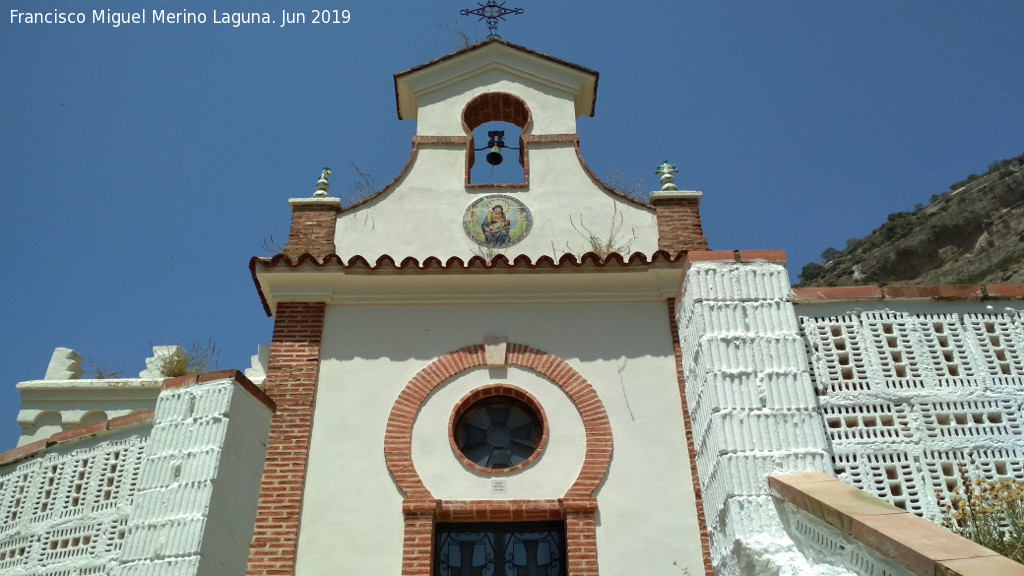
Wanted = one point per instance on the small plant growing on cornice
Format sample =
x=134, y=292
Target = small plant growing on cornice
x=461, y=37
x=365, y=185
x=487, y=252
x=990, y=512
x=614, y=241
x=103, y=372
x=272, y=246
x=634, y=186
x=193, y=360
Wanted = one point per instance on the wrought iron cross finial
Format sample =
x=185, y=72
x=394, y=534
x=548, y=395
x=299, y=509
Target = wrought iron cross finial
x=322, y=185
x=666, y=171
x=492, y=12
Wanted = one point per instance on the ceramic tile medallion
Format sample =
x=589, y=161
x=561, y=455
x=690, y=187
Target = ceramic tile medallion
x=497, y=221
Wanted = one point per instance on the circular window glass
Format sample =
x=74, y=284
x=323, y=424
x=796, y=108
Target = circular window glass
x=498, y=432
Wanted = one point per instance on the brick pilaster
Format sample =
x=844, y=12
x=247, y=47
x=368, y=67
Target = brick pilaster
x=418, y=542
x=705, y=542
x=679, y=226
x=292, y=374
x=313, y=223
x=581, y=539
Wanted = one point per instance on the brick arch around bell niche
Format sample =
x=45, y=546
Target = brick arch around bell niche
x=398, y=436
x=497, y=107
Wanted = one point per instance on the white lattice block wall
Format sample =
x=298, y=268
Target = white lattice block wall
x=754, y=431
x=752, y=405
x=743, y=516
x=761, y=536
x=746, y=474
x=728, y=282
x=172, y=494
x=65, y=512
x=821, y=542
x=195, y=510
x=912, y=398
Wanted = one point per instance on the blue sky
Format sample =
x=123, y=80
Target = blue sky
x=143, y=165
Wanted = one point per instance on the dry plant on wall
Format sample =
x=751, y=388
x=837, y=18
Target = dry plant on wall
x=487, y=252
x=365, y=185
x=613, y=241
x=685, y=571
x=635, y=187
x=989, y=511
x=104, y=372
x=195, y=359
x=272, y=246
x=461, y=37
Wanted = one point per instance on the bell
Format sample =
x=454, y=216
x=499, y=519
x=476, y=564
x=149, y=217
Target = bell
x=494, y=156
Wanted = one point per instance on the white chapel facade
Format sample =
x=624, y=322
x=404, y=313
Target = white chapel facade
x=473, y=371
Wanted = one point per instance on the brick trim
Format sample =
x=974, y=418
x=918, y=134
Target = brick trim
x=942, y=292
x=499, y=510
x=398, y=436
x=581, y=544
x=579, y=516
x=679, y=226
x=691, y=446
x=418, y=543
x=492, y=390
x=569, y=138
x=421, y=510
x=906, y=540
x=292, y=374
x=440, y=140
x=312, y=227
x=497, y=107
x=837, y=293
x=235, y=375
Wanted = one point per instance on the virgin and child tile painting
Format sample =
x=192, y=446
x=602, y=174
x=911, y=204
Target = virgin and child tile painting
x=497, y=221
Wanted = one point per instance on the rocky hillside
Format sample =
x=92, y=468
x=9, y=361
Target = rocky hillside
x=973, y=234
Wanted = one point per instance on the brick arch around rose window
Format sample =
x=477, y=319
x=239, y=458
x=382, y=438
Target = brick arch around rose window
x=578, y=507
x=497, y=107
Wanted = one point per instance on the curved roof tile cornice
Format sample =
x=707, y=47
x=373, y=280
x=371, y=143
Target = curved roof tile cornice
x=500, y=261
x=567, y=263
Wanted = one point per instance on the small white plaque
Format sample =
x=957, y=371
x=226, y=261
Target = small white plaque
x=499, y=486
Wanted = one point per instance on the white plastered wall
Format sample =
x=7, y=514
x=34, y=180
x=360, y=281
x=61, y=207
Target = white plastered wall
x=422, y=215
x=440, y=112
x=352, y=519
x=51, y=406
x=550, y=476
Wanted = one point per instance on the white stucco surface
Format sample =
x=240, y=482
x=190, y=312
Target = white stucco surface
x=552, y=109
x=352, y=519
x=421, y=215
x=51, y=406
x=446, y=82
x=752, y=409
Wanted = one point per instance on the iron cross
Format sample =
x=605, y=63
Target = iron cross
x=492, y=12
